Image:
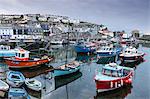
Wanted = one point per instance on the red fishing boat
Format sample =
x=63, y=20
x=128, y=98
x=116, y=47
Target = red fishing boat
x=22, y=60
x=112, y=77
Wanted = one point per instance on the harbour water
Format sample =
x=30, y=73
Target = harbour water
x=81, y=85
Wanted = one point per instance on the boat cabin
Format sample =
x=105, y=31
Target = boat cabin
x=22, y=54
x=113, y=70
x=107, y=48
x=130, y=50
x=4, y=47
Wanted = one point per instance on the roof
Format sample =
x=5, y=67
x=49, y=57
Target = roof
x=131, y=48
x=112, y=66
x=21, y=50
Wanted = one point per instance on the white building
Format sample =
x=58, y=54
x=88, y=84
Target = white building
x=6, y=32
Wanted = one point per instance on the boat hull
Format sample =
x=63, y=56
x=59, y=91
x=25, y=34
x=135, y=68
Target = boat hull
x=7, y=53
x=26, y=64
x=3, y=86
x=61, y=72
x=83, y=49
x=131, y=59
x=34, y=85
x=106, y=54
x=103, y=86
x=15, y=78
x=109, y=53
x=15, y=84
x=17, y=93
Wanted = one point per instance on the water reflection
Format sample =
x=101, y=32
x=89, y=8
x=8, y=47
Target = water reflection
x=120, y=93
x=85, y=58
x=30, y=73
x=83, y=88
x=106, y=60
x=132, y=64
x=3, y=70
x=61, y=81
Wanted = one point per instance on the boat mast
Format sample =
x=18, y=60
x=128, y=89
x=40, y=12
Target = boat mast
x=69, y=31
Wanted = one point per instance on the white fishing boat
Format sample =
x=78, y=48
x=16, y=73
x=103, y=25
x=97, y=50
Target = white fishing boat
x=131, y=54
x=33, y=84
x=3, y=86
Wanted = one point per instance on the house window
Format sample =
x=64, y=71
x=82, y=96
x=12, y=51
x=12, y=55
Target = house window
x=14, y=31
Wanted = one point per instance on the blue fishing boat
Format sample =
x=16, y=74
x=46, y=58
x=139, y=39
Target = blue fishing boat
x=15, y=78
x=82, y=47
x=18, y=93
x=108, y=51
x=66, y=69
x=5, y=51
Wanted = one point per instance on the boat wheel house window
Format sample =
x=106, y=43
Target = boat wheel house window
x=19, y=55
x=23, y=55
x=112, y=73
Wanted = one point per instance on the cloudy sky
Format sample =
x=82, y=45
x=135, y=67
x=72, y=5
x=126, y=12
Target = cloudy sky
x=116, y=14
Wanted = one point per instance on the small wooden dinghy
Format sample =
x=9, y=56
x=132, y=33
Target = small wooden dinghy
x=18, y=93
x=3, y=86
x=15, y=78
x=33, y=84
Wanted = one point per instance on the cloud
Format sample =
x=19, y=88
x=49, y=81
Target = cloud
x=117, y=14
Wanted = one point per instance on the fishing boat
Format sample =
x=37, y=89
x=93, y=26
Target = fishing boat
x=18, y=93
x=5, y=51
x=66, y=69
x=22, y=60
x=131, y=54
x=33, y=84
x=15, y=78
x=82, y=47
x=3, y=86
x=112, y=77
x=108, y=51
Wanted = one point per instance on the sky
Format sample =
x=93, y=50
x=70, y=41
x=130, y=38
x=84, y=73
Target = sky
x=115, y=14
